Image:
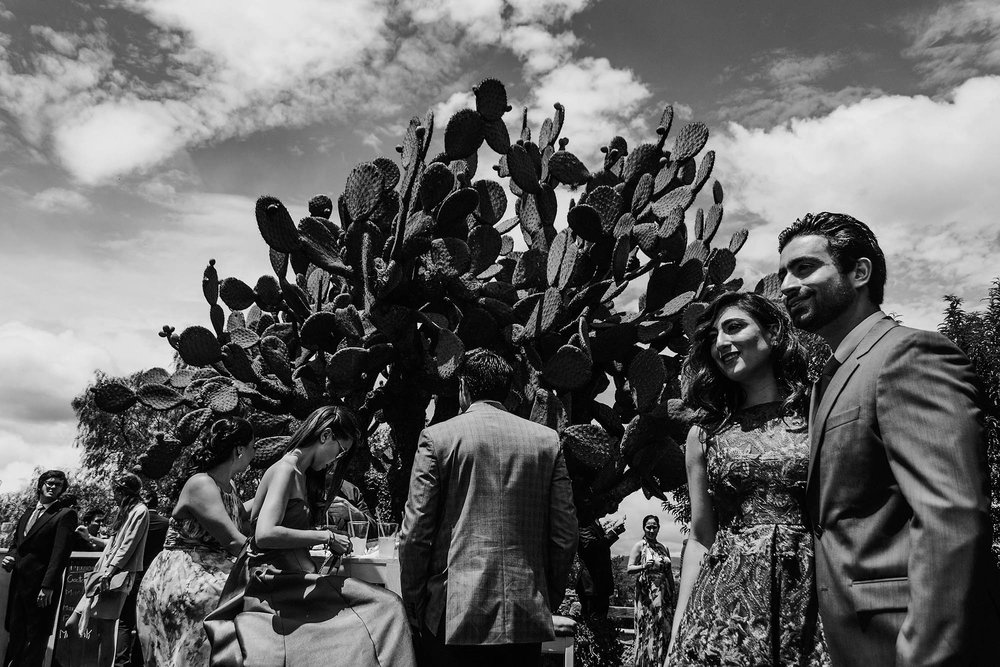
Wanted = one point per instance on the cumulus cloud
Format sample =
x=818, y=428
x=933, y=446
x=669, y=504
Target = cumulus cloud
x=197, y=74
x=918, y=170
x=43, y=370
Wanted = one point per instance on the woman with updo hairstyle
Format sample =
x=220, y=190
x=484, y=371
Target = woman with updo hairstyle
x=206, y=532
x=747, y=594
x=277, y=607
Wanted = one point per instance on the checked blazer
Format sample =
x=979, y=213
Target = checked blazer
x=897, y=493
x=489, y=530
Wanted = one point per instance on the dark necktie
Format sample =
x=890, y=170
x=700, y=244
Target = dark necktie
x=33, y=518
x=829, y=370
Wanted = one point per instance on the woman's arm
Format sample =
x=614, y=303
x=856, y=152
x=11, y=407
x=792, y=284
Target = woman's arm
x=201, y=499
x=635, y=564
x=270, y=534
x=702, y=523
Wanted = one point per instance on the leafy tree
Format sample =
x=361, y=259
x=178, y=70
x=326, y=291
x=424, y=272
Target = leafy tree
x=977, y=332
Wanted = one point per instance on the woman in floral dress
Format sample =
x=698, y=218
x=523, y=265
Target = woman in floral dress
x=747, y=593
x=185, y=580
x=654, y=595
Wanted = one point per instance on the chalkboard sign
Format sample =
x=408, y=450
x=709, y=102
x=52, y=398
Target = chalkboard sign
x=70, y=649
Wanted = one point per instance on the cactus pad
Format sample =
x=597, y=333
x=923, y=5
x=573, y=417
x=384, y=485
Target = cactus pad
x=236, y=294
x=491, y=99
x=464, y=134
x=113, y=397
x=269, y=451
x=159, y=396
x=689, y=141
x=587, y=445
x=199, y=347
x=276, y=225
x=569, y=368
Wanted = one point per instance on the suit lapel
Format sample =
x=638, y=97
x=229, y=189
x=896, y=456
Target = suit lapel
x=45, y=517
x=820, y=413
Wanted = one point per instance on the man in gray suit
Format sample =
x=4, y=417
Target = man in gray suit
x=897, y=489
x=489, y=531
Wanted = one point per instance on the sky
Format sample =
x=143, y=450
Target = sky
x=135, y=136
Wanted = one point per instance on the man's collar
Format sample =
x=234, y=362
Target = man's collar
x=856, y=335
x=484, y=403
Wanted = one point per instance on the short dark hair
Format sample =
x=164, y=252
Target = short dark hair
x=92, y=513
x=648, y=517
x=487, y=375
x=849, y=240
x=52, y=474
x=150, y=498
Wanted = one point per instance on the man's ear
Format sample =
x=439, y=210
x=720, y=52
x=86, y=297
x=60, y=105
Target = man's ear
x=862, y=272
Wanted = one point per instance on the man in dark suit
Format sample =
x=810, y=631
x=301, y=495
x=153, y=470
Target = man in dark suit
x=38, y=556
x=897, y=488
x=489, y=530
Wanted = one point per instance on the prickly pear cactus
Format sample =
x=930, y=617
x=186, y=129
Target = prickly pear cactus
x=372, y=308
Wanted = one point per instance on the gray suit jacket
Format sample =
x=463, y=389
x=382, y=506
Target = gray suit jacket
x=490, y=529
x=898, y=497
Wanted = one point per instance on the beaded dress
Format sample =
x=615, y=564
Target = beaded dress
x=754, y=601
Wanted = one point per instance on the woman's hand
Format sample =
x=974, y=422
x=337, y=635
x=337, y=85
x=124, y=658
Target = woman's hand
x=338, y=543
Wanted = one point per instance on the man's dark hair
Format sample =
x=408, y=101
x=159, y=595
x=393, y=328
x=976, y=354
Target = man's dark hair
x=487, y=375
x=150, y=498
x=52, y=474
x=92, y=513
x=849, y=240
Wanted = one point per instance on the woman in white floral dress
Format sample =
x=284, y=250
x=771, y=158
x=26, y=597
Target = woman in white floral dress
x=206, y=531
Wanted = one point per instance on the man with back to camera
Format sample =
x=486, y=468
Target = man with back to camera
x=489, y=530
x=897, y=489
x=39, y=554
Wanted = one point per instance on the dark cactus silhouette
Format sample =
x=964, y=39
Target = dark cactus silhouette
x=375, y=308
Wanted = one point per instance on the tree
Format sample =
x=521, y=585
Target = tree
x=977, y=333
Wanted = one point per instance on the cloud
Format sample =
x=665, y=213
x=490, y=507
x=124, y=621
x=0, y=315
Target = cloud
x=26, y=447
x=918, y=170
x=601, y=101
x=787, y=85
x=59, y=200
x=43, y=371
x=106, y=103
x=957, y=41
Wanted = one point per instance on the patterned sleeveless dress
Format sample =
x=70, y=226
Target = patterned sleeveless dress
x=180, y=588
x=754, y=601
x=654, y=606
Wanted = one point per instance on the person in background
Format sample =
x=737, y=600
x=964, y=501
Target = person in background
x=277, y=608
x=128, y=651
x=207, y=530
x=654, y=595
x=489, y=530
x=115, y=571
x=38, y=556
x=87, y=533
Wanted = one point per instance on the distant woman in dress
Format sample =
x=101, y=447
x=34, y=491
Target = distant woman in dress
x=654, y=595
x=277, y=609
x=115, y=571
x=747, y=594
x=185, y=579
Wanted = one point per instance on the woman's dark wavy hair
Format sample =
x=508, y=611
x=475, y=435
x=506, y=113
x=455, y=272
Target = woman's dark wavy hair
x=343, y=424
x=715, y=397
x=224, y=437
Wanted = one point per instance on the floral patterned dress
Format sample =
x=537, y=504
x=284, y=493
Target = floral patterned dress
x=754, y=601
x=180, y=588
x=654, y=606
